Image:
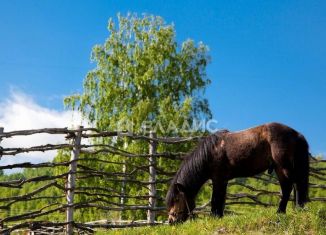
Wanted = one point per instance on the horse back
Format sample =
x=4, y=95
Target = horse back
x=250, y=152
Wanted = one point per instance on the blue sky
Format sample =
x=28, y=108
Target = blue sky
x=268, y=57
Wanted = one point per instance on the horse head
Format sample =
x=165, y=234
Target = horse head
x=180, y=205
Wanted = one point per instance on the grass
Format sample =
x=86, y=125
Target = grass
x=311, y=220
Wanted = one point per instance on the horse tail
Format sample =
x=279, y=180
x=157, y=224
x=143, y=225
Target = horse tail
x=301, y=171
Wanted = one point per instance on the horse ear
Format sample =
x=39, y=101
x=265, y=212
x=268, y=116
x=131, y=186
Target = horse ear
x=180, y=188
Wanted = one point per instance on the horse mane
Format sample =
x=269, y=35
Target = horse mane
x=192, y=173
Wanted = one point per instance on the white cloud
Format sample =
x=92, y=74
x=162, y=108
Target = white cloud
x=21, y=112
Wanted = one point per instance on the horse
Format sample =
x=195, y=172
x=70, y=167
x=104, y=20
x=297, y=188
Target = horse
x=225, y=155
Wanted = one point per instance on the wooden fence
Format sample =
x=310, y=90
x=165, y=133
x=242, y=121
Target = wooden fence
x=73, y=172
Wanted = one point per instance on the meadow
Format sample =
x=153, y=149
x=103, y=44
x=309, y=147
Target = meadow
x=310, y=220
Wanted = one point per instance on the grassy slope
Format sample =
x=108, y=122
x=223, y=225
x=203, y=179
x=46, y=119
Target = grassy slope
x=311, y=220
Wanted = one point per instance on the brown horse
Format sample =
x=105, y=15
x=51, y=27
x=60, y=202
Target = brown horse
x=226, y=155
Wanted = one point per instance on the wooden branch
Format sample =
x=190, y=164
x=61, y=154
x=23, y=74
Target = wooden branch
x=166, y=140
x=89, y=174
x=36, y=131
x=82, y=227
x=105, y=189
x=317, y=169
x=31, y=194
x=88, y=170
x=125, y=208
x=319, y=186
x=318, y=199
x=34, y=225
x=168, y=155
x=265, y=180
x=132, y=224
x=20, y=182
x=315, y=160
x=142, y=167
x=7, y=206
x=118, y=174
x=41, y=148
x=248, y=203
x=245, y=195
x=317, y=176
x=252, y=188
x=141, y=197
x=38, y=165
x=32, y=215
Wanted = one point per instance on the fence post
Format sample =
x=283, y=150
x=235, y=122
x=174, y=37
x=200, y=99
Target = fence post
x=2, y=225
x=1, y=132
x=71, y=182
x=123, y=189
x=152, y=178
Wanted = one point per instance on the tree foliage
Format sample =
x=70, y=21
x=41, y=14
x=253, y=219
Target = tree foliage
x=142, y=74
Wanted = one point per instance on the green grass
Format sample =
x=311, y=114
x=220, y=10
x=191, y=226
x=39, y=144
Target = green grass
x=311, y=220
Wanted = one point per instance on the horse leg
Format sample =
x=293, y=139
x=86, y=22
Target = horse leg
x=218, y=198
x=286, y=187
x=300, y=192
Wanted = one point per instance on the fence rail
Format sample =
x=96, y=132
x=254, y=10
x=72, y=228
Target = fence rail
x=68, y=176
